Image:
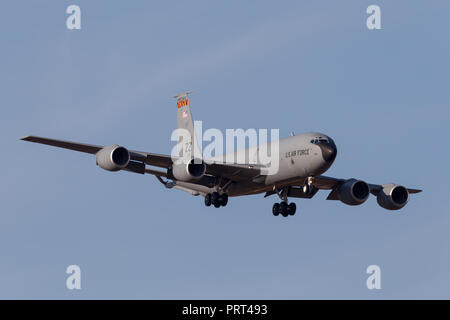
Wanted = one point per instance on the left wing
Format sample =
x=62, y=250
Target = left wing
x=329, y=183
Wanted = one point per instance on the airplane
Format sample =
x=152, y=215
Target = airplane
x=303, y=159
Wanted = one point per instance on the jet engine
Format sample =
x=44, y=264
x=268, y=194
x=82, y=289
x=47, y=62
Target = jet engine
x=393, y=197
x=193, y=170
x=113, y=158
x=353, y=192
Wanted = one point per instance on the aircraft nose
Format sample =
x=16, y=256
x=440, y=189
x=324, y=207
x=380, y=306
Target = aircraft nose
x=329, y=151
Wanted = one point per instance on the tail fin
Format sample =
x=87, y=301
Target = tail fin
x=188, y=146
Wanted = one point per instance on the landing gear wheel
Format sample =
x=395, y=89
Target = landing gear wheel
x=215, y=199
x=292, y=208
x=208, y=200
x=284, y=209
x=223, y=200
x=276, y=209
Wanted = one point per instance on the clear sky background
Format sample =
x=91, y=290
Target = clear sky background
x=298, y=66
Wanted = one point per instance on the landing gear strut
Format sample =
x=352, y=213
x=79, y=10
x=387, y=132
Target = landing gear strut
x=216, y=199
x=308, y=187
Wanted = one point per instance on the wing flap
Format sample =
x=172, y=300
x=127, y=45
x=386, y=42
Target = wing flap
x=234, y=172
x=326, y=183
x=158, y=160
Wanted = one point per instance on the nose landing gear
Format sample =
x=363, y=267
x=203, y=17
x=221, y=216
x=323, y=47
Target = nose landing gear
x=308, y=187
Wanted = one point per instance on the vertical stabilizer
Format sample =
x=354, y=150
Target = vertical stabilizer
x=186, y=135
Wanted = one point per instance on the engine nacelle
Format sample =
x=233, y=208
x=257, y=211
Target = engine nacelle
x=353, y=192
x=113, y=158
x=393, y=197
x=193, y=170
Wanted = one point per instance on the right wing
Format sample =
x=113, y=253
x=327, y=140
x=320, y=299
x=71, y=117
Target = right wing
x=234, y=172
x=81, y=147
x=153, y=159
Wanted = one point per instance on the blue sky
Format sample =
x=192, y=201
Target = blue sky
x=296, y=65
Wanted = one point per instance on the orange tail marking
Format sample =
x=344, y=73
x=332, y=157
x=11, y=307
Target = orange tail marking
x=182, y=103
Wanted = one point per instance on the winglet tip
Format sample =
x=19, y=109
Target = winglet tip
x=24, y=138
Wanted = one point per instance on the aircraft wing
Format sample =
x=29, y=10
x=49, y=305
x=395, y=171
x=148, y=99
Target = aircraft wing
x=234, y=172
x=154, y=159
x=329, y=183
x=81, y=147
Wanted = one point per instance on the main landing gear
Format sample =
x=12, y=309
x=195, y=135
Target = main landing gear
x=284, y=208
x=216, y=199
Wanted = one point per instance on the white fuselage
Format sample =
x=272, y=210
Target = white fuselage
x=297, y=158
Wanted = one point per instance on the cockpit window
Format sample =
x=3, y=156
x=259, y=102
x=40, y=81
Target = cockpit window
x=317, y=140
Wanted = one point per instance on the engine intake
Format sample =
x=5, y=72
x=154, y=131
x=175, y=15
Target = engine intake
x=113, y=158
x=193, y=170
x=393, y=197
x=353, y=192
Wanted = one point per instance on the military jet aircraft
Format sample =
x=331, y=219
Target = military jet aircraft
x=302, y=161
